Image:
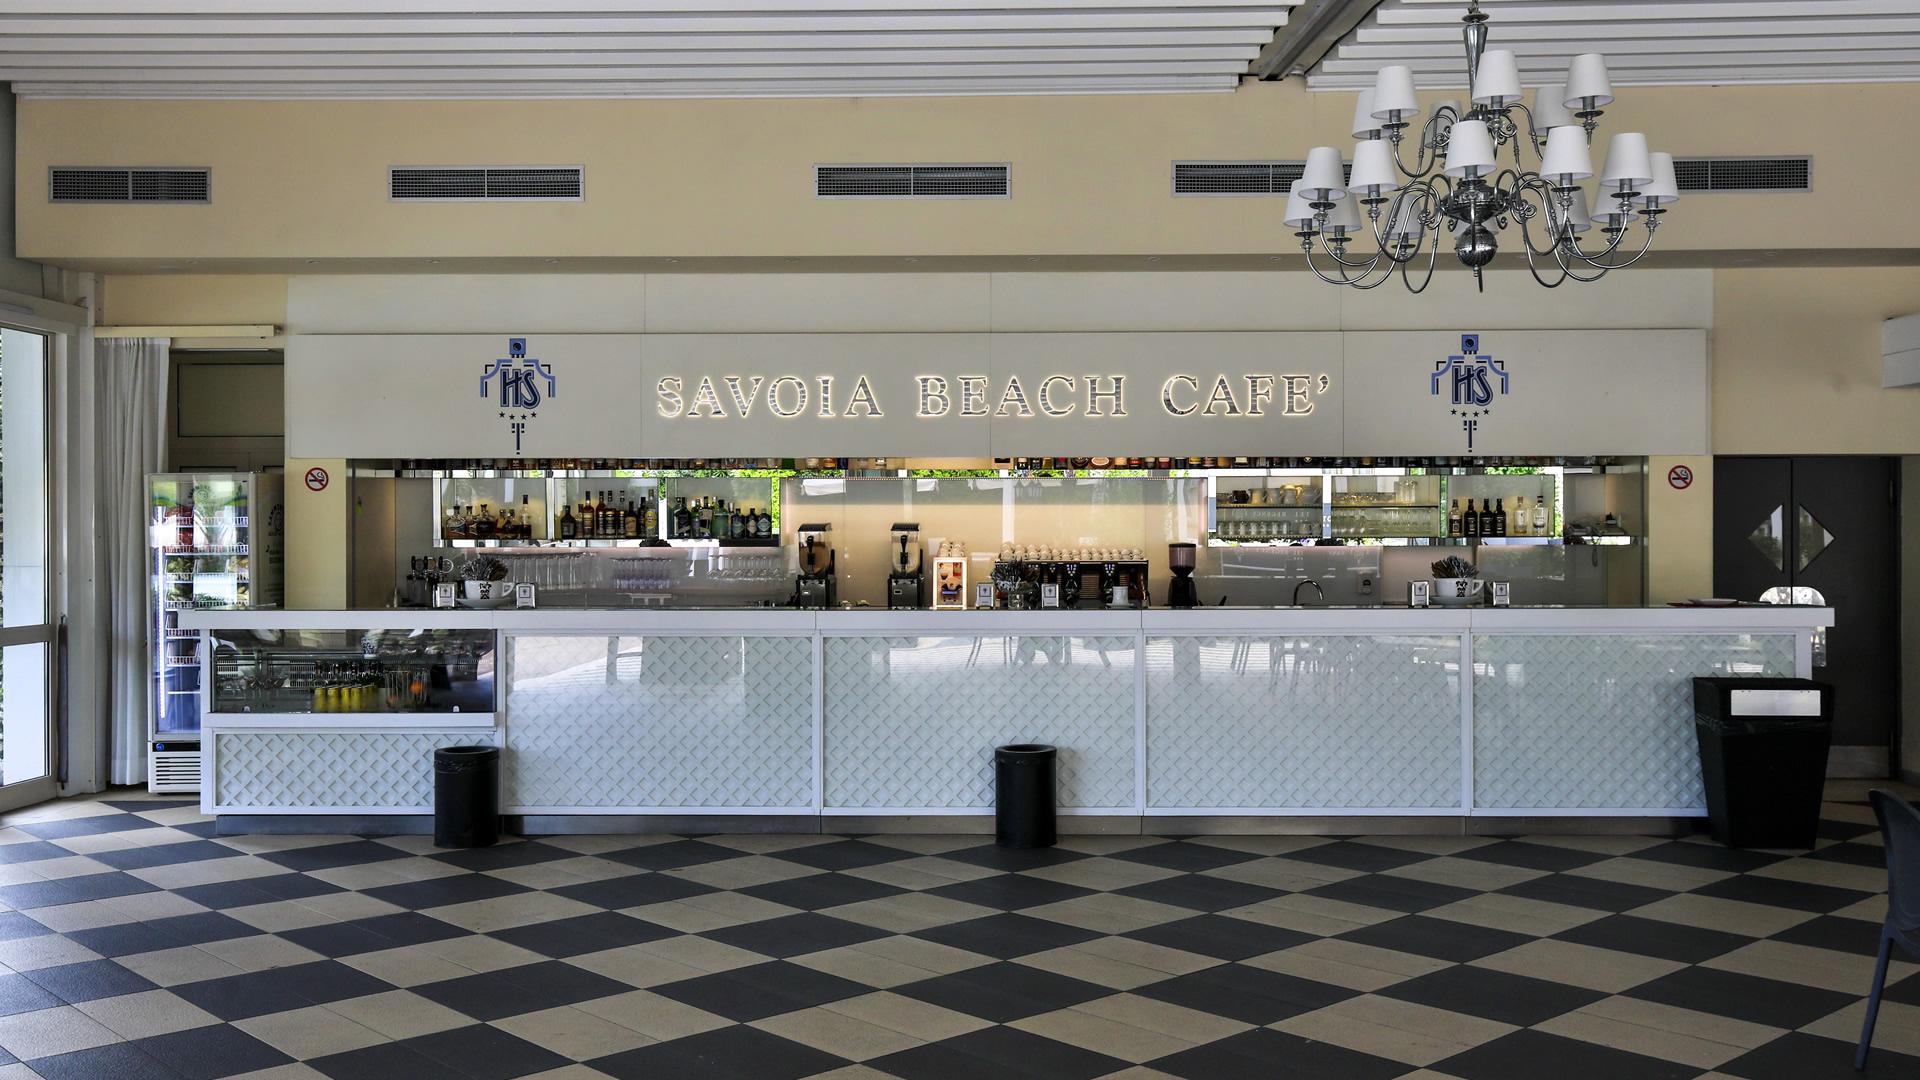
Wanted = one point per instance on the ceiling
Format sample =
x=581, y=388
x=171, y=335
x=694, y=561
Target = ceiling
x=1646, y=42
x=626, y=48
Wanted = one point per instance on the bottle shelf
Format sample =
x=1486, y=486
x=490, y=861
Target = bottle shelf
x=536, y=546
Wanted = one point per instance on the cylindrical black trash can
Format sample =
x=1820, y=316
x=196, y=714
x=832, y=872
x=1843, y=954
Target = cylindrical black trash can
x=466, y=796
x=1763, y=758
x=1023, y=795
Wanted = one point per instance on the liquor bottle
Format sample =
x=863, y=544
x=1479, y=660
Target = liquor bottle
x=1470, y=522
x=722, y=521
x=569, y=526
x=1487, y=522
x=451, y=522
x=763, y=524
x=649, y=517
x=526, y=517
x=482, y=528
x=1500, y=517
x=630, y=522
x=505, y=527
x=1518, y=527
x=682, y=519
x=1453, y=519
x=1540, y=514
x=742, y=525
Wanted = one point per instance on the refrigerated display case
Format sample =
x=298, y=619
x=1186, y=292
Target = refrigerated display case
x=217, y=541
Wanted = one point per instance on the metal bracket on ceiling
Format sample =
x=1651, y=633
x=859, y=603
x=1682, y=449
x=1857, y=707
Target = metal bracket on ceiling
x=1311, y=32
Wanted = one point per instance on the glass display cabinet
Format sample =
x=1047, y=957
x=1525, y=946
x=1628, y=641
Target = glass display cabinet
x=215, y=541
x=303, y=673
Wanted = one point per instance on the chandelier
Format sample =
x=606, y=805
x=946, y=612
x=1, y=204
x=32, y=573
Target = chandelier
x=1457, y=183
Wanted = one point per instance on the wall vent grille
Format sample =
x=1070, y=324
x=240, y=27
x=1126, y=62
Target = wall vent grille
x=911, y=182
x=1237, y=177
x=1744, y=174
x=98, y=184
x=485, y=183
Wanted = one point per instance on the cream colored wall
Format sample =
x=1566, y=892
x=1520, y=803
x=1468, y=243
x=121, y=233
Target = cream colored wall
x=1680, y=531
x=298, y=180
x=1796, y=362
x=319, y=526
x=192, y=299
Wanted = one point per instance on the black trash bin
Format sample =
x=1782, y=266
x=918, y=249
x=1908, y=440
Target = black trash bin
x=1023, y=795
x=466, y=796
x=1763, y=758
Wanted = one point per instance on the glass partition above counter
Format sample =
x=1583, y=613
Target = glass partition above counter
x=1359, y=529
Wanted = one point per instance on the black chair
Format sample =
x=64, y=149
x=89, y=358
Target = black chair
x=1900, y=829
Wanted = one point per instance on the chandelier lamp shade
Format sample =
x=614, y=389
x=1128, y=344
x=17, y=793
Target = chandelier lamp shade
x=1478, y=171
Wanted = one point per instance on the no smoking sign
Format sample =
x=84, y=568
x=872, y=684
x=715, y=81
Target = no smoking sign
x=1680, y=477
x=316, y=479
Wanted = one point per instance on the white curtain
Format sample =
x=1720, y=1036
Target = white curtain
x=131, y=382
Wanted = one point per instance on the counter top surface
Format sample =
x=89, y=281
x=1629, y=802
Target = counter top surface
x=1227, y=619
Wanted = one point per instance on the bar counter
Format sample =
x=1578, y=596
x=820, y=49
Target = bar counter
x=867, y=720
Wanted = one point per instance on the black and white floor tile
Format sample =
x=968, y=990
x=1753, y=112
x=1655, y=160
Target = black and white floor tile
x=135, y=944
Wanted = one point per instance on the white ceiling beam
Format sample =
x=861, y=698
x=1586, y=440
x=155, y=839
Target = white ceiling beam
x=1696, y=62
x=1395, y=54
x=1268, y=15
x=581, y=74
x=1404, y=14
x=1759, y=76
x=1507, y=33
x=106, y=63
x=271, y=9
x=379, y=43
x=492, y=90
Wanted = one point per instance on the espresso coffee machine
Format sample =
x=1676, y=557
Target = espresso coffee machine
x=1181, y=591
x=814, y=588
x=906, y=583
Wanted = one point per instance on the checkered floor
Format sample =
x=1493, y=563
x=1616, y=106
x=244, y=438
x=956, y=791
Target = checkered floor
x=138, y=945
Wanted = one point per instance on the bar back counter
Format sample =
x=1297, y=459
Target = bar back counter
x=1215, y=719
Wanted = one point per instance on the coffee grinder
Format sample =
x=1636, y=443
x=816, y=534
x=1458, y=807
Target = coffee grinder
x=906, y=584
x=814, y=588
x=1181, y=591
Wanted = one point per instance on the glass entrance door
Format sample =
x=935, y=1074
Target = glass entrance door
x=26, y=575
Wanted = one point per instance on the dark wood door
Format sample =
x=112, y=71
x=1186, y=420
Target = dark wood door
x=1828, y=524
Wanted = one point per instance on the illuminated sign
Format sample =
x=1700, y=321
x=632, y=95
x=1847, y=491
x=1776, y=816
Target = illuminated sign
x=1054, y=396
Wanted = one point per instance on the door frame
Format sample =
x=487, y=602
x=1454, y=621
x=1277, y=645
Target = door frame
x=66, y=329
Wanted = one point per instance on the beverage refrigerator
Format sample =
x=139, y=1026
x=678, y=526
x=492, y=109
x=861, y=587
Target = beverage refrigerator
x=216, y=540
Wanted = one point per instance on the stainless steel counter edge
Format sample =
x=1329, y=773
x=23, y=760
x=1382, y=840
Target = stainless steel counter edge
x=1159, y=620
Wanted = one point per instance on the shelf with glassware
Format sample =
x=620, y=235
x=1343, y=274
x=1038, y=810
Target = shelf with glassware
x=612, y=510
x=1517, y=506
x=422, y=678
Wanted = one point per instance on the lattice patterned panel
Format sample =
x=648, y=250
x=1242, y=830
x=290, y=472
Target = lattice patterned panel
x=1600, y=721
x=375, y=769
x=721, y=721
x=912, y=722
x=1303, y=722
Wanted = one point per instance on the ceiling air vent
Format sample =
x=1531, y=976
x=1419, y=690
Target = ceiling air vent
x=910, y=182
x=1744, y=174
x=1237, y=177
x=98, y=184
x=484, y=183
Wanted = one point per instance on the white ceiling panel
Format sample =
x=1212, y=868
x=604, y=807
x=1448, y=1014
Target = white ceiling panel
x=627, y=48
x=1646, y=42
